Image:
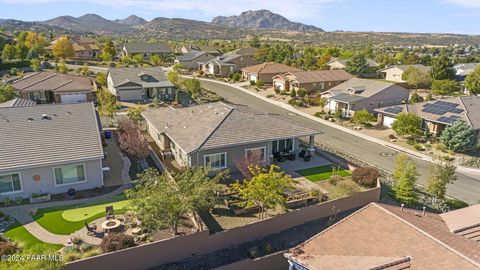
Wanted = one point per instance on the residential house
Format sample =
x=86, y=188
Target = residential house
x=381, y=236
x=84, y=48
x=51, y=87
x=358, y=94
x=437, y=115
x=49, y=149
x=191, y=60
x=219, y=135
x=394, y=73
x=319, y=80
x=212, y=50
x=134, y=84
x=18, y=102
x=462, y=71
x=230, y=62
x=266, y=71
x=146, y=49
x=338, y=63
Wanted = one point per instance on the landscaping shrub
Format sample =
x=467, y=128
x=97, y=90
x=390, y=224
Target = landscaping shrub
x=293, y=93
x=71, y=249
x=283, y=93
x=84, y=247
x=418, y=147
x=292, y=102
x=301, y=92
x=300, y=103
x=14, y=64
x=252, y=83
x=8, y=248
x=270, y=95
x=344, y=189
x=70, y=257
x=116, y=241
x=455, y=203
x=319, y=114
x=366, y=176
x=259, y=83
x=77, y=241
x=91, y=253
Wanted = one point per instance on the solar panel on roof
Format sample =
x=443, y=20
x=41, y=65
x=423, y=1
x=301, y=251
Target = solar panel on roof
x=444, y=103
x=449, y=120
x=455, y=110
x=394, y=110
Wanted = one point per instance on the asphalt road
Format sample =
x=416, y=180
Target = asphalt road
x=465, y=188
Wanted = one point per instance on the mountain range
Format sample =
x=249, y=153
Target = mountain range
x=263, y=23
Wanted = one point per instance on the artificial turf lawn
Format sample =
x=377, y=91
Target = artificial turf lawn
x=321, y=173
x=65, y=220
x=26, y=240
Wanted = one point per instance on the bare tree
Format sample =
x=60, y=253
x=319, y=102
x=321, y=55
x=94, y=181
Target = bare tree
x=256, y=159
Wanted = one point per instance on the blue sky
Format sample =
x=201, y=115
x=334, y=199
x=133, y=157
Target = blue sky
x=433, y=16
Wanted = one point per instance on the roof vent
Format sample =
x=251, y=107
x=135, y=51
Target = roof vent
x=69, y=113
x=45, y=116
x=29, y=119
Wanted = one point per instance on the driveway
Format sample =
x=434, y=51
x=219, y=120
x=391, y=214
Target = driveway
x=465, y=188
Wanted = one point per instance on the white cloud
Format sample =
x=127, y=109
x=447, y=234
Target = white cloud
x=465, y=3
x=294, y=10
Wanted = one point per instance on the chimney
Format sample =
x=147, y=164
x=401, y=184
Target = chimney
x=402, y=206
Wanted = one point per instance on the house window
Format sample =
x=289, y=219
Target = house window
x=35, y=95
x=69, y=174
x=283, y=145
x=255, y=152
x=216, y=161
x=10, y=183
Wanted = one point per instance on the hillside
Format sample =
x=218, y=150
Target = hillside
x=263, y=19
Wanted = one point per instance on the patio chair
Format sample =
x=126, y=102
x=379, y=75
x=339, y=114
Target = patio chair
x=109, y=212
x=302, y=153
x=91, y=229
x=276, y=154
x=291, y=156
x=307, y=158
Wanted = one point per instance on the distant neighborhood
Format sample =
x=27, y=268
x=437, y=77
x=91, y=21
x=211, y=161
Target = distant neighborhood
x=249, y=153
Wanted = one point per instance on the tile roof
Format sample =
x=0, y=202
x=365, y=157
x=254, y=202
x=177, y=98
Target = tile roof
x=144, y=47
x=204, y=48
x=319, y=76
x=270, y=68
x=462, y=219
x=18, y=102
x=217, y=124
x=190, y=56
x=70, y=134
x=380, y=230
x=121, y=76
x=468, y=110
x=52, y=81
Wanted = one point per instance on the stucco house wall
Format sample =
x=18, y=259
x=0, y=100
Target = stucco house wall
x=42, y=180
x=394, y=74
x=393, y=95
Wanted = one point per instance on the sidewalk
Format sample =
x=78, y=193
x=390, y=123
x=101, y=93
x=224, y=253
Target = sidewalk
x=472, y=172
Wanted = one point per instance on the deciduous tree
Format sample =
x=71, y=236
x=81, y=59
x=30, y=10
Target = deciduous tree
x=472, y=82
x=135, y=113
x=416, y=78
x=442, y=68
x=405, y=176
x=362, y=117
x=407, y=124
x=63, y=48
x=132, y=141
x=357, y=65
x=440, y=176
x=7, y=92
x=445, y=87
x=266, y=188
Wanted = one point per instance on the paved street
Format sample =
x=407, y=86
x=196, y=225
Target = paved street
x=465, y=188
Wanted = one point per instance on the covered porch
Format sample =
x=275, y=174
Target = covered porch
x=161, y=93
x=41, y=97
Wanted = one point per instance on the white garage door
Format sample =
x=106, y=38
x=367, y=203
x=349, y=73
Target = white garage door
x=388, y=121
x=253, y=77
x=73, y=98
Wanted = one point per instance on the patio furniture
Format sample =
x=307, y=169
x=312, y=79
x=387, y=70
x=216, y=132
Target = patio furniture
x=282, y=159
x=111, y=224
x=276, y=154
x=291, y=156
x=307, y=158
x=109, y=212
x=91, y=228
x=302, y=153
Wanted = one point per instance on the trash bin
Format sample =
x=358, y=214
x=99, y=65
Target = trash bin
x=108, y=134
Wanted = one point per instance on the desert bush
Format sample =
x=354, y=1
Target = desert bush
x=77, y=241
x=116, y=241
x=71, y=249
x=366, y=176
x=259, y=83
x=84, y=247
x=344, y=189
x=270, y=95
x=91, y=253
x=418, y=147
x=70, y=257
x=8, y=248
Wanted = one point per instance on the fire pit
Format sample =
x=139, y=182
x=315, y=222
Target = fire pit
x=111, y=224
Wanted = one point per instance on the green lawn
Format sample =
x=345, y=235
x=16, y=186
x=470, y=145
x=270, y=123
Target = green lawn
x=68, y=219
x=26, y=240
x=320, y=173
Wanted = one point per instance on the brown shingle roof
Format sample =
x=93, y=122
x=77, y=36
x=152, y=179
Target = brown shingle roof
x=379, y=230
x=319, y=76
x=270, y=68
x=56, y=82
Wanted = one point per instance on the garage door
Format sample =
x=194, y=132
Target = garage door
x=73, y=98
x=253, y=77
x=131, y=95
x=388, y=121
